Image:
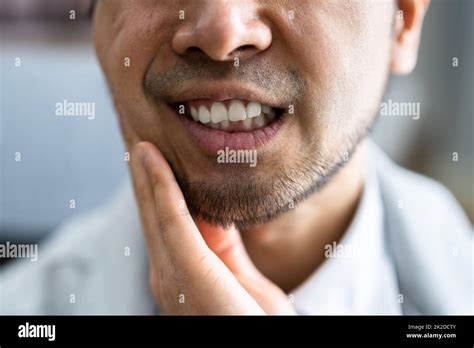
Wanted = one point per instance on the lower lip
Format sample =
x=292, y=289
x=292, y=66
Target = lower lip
x=210, y=141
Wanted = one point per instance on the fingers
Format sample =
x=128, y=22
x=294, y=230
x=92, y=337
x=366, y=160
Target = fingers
x=228, y=246
x=175, y=228
x=145, y=199
x=181, y=256
x=170, y=229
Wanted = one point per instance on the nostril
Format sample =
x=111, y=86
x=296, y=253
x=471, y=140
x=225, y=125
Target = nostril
x=244, y=51
x=245, y=47
x=195, y=49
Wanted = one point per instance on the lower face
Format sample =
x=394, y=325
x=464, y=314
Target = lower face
x=289, y=114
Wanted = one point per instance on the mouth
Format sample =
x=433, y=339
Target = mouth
x=239, y=124
x=233, y=115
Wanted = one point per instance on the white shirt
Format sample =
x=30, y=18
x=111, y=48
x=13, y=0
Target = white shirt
x=358, y=277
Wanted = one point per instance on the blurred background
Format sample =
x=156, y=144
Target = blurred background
x=46, y=56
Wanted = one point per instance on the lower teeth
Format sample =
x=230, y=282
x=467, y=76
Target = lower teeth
x=259, y=121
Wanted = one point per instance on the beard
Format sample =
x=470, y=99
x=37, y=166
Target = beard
x=246, y=201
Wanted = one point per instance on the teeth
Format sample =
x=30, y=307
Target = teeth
x=248, y=123
x=237, y=111
x=219, y=116
x=194, y=114
x=253, y=109
x=271, y=116
x=259, y=120
x=218, y=112
x=266, y=109
x=204, y=115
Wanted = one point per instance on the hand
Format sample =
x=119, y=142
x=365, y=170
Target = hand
x=195, y=268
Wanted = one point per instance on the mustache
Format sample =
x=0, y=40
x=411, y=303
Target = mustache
x=284, y=83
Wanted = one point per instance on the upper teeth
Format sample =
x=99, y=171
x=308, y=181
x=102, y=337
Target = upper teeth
x=236, y=112
x=218, y=112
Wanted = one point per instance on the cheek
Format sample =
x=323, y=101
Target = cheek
x=345, y=63
x=129, y=46
x=128, y=37
x=133, y=46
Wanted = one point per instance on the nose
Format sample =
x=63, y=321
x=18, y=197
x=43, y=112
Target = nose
x=223, y=30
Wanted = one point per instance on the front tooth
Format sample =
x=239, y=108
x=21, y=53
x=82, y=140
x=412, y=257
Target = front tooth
x=204, y=115
x=237, y=111
x=266, y=109
x=225, y=124
x=194, y=114
x=218, y=112
x=253, y=109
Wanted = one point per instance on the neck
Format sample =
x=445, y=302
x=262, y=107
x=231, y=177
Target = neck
x=290, y=248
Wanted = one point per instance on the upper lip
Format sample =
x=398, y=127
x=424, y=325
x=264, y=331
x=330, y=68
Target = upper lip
x=220, y=91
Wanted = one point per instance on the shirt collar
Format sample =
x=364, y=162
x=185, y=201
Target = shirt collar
x=358, y=275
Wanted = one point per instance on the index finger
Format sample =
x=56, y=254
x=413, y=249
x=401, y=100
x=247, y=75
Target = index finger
x=176, y=228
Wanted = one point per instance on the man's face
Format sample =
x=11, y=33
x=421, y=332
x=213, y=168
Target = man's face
x=312, y=71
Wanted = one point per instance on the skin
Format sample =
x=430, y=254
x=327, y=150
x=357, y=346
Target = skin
x=225, y=238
